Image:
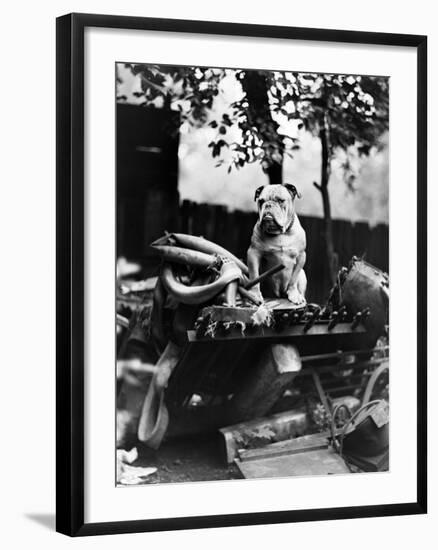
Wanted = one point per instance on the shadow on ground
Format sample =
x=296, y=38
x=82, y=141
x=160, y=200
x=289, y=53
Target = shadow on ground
x=188, y=459
x=46, y=520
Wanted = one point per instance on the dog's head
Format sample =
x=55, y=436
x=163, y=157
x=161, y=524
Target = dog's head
x=275, y=204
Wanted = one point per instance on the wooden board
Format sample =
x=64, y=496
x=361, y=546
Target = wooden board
x=284, y=425
x=295, y=331
x=288, y=447
x=316, y=462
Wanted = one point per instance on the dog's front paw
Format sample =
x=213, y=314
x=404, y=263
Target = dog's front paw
x=295, y=296
x=257, y=294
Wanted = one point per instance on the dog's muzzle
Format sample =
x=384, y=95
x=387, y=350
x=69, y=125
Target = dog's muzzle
x=269, y=225
x=273, y=219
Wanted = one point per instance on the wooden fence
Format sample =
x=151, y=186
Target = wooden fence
x=232, y=229
x=142, y=223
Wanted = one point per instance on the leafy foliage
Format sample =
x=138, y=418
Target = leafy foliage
x=354, y=109
x=191, y=90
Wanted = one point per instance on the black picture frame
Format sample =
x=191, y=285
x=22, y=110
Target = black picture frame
x=70, y=272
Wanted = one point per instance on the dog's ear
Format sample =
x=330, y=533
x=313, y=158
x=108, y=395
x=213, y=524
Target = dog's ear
x=258, y=191
x=292, y=190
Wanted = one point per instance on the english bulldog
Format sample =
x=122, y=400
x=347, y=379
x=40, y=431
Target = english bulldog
x=278, y=237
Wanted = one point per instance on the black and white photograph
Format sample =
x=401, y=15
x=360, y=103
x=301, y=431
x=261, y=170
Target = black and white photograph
x=252, y=292
x=217, y=273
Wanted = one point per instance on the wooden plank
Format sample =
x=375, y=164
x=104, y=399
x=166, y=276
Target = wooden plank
x=282, y=425
x=288, y=447
x=378, y=247
x=321, y=392
x=340, y=354
x=319, y=328
x=317, y=462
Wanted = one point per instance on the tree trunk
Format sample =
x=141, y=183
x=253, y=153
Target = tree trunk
x=331, y=255
x=275, y=173
x=255, y=86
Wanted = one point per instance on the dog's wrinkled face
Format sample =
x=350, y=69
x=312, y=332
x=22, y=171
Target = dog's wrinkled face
x=275, y=204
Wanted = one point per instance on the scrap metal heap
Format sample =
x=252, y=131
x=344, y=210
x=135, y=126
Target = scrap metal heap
x=217, y=341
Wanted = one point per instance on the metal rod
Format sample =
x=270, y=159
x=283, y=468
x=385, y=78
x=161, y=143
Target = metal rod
x=339, y=354
x=246, y=294
x=321, y=392
x=340, y=366
x=312, y=319
x=264, y=275
x=122, y=321
x=231, y=293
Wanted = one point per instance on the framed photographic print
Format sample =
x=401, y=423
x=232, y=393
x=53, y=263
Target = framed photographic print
x=241, y=274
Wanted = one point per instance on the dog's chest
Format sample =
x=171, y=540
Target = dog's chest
x=285, y=256
x=283, y=249
x=277, y=284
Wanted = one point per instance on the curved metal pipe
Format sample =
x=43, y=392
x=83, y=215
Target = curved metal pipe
x=201, y=245
x=199, y=293
x=185, y=256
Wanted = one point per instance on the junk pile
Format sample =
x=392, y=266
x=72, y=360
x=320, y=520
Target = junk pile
x=128, y=474
x=356, y=441
x=214, y=355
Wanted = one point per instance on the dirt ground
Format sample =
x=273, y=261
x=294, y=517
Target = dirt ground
x=198, y=458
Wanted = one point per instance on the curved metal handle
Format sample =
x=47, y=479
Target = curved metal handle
x=352, y=419
x=199, y=293
x=333, y=423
